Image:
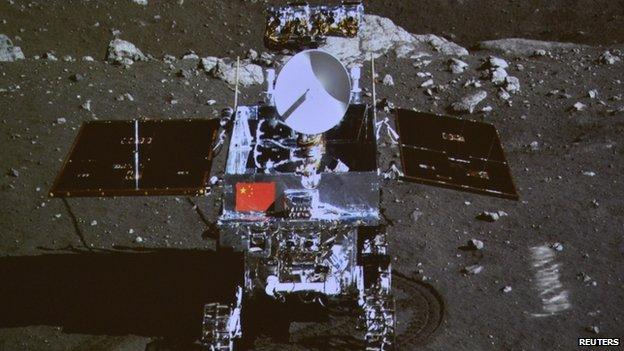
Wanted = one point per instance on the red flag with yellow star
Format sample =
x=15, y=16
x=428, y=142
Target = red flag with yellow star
x=254, y=196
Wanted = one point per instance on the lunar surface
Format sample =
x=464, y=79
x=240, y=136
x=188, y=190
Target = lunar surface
x=470, y=272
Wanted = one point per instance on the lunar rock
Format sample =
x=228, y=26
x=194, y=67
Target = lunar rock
x=86, y=105
x=9, y=52
x=441, y=45
x=208, y=63
x=225, y=69
x=140, y=2
x=169, y=58
x=472, y=83
x=252, y=54
x=579, y=106
x=608, y=58
x=416, y=214
x=249, y=73
x=472, y=270
x=427, y=83
x=123, y=52
x=495, y=70
x=491, y=216
x=504, y=94
x=524, y=47
x=190, y=56
x=125, y=96
x=512, y=84
x=498, y=75
x=469, y=102
x=76, y=77
x=475, y=244
x=616, y=111
x=379, y=36
x=184, y=73
x=50, y=57
x=347, y=50
x=388, y=80
x=267, y=58
x=457, y=66
x=496, y=62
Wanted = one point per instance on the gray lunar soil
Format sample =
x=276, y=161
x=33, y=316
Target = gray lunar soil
x=130, y=273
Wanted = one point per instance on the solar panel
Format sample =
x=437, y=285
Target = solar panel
x=152, y=157
x=454, y=153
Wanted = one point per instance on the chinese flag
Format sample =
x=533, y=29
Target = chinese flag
x=254, y=196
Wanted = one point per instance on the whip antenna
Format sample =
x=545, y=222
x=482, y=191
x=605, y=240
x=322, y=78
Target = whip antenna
x=236, y=85
x=374, y=91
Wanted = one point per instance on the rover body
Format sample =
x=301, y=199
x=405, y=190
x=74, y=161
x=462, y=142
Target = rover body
x=313, y=235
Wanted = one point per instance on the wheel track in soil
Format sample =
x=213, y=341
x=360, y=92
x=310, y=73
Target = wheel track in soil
x=423, y=313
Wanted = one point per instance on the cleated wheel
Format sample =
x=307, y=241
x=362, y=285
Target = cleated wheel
x=215, y=334
x=379, y=318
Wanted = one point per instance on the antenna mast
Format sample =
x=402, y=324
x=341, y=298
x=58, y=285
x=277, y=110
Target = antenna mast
x=374, y=91
x=236, y=85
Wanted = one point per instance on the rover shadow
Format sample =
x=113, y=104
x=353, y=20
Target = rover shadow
x=153, y=293
x=157, y=293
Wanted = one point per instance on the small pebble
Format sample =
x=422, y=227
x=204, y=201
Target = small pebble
x=388, y=80
x=475, y=244
x=472, y=270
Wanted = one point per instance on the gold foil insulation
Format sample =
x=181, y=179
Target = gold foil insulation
x=301, y=25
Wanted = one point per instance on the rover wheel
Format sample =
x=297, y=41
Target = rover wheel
x=215, y=334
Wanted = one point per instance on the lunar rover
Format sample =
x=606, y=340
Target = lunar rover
x=301, y=185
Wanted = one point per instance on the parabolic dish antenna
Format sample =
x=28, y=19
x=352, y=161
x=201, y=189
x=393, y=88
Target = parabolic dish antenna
x=312, y=92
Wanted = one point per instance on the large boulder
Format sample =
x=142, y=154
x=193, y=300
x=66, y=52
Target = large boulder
x=441, y=45
x=468, y=103
x=248, y=74
x=379, y=36
x=9, y=52
x=525, y=47
x=209, y=63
